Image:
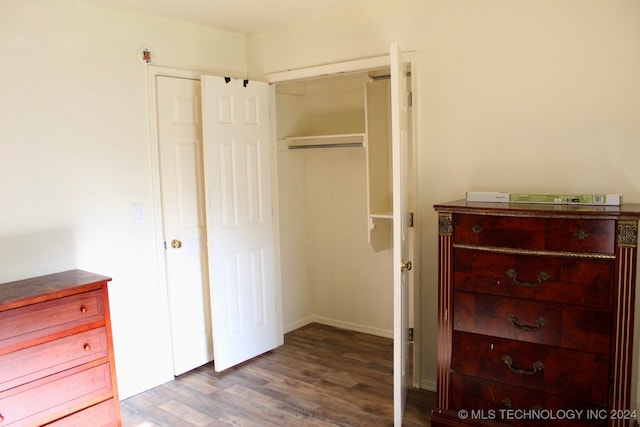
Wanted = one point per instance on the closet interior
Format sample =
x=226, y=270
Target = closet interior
x=335, y=201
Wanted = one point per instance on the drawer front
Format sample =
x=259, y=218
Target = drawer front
x=53, y=397
x=546, y=278
x=101, y=415
x=568, y=326
x=45, y=318
x=500, y=402
x=551, y=234
x=576, y=375
x=35, y=362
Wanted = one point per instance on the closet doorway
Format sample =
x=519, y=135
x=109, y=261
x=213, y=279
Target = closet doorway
x=357, y=163
x=338, y=204
x=215, y=190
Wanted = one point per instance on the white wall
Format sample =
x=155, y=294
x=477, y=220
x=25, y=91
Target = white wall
x=75, y=156
x=331, y=274
x=533, y=95
x=530, y=95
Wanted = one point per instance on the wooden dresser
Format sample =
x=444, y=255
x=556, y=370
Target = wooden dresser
x=56, y=352
x=535, y=318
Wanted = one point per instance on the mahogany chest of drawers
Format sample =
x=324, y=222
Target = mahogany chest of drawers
x=535, y=314
x=56, y=352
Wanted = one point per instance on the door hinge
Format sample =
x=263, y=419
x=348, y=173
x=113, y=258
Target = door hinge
x=410, y=99
x=410, y=336
x=410, y=220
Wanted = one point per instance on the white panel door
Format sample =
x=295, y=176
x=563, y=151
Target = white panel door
x=401, y=263
x=180, y=147
x=239, y=219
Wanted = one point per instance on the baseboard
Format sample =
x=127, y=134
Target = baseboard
x=353, y=327
x=428, y=385
x=338, y=324
x=297, y=324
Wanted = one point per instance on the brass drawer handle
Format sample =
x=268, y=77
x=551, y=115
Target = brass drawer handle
x=526, y=328
x=513, y=275
x=83, y=309
x=508, y=403
x=581, y=234
x=537, y=366
x=86, y=347
x=476, y=229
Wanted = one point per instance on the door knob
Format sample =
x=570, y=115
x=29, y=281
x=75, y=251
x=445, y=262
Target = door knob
x=406, y=265
x=176, y=244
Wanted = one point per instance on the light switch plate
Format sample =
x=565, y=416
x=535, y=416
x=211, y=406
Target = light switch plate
x=138, y=213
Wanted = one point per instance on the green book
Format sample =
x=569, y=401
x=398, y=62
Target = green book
x=579, y=199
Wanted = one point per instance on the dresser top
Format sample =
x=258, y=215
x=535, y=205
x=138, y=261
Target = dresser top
x=37, y=289
x=624, y=211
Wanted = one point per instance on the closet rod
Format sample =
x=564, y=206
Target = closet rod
x=385, y=76
x=338, y=145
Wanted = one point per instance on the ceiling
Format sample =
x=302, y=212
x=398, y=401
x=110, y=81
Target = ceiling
x=242, y=16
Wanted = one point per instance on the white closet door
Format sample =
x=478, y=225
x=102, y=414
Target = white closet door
x=239, y=219
x=180, y=144
x=401, y=263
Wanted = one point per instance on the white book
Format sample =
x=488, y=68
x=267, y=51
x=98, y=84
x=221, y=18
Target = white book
x=487, y=196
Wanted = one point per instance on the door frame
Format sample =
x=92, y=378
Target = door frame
x=354, y=66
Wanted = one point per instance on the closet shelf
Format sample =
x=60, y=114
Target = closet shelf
x=381, y=215
x=325, y=141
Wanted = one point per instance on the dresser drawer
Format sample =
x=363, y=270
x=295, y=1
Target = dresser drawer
x=545, y=278
x=576, y=375
x=55, y=396
x=551, y=234
x=42, y=319
x=35, y=362
x=101, y=415
x=495, y=401
x=568, y=326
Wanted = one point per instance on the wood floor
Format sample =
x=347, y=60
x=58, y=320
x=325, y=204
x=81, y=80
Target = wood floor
x=321, y=376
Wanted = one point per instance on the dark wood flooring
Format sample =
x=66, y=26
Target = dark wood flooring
x=321, y=376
